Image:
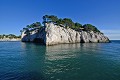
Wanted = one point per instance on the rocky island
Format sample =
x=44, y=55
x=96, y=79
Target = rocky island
x=57, y=31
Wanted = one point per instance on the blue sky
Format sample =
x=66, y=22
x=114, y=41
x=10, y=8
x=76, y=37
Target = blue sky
x=104, y=14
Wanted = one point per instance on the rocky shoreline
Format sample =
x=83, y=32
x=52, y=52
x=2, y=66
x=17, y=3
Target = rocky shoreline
x=52, y=34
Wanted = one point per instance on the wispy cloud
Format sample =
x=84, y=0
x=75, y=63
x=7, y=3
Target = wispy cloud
x=112, y=34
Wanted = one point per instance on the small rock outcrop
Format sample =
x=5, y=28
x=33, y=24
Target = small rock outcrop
x=52, y=34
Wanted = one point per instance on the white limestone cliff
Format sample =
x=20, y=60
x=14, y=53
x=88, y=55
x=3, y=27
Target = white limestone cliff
x=53, y=34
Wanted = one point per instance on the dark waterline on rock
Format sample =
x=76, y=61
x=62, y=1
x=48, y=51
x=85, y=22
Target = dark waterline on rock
x=85, y=61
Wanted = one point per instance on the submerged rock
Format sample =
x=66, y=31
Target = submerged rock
x=52, y=34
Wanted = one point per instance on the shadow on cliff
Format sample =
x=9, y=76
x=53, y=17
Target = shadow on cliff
x=39, y=37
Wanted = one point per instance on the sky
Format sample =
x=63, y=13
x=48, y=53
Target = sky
x=104, y=14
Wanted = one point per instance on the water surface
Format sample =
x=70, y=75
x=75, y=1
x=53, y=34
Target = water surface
x=86, y=61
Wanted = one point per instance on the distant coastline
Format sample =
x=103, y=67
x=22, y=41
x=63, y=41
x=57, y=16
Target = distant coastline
x=10, y=37
x=7, y=39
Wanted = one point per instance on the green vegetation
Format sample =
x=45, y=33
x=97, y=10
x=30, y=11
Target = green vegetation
x=69, y=23
x=10, y=36
x=50, y=18
x=89, y=27
x=28, y=28
x=34, y=25
x=65, y=22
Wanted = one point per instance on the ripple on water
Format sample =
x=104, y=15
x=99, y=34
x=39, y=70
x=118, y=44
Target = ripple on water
x=87, y=61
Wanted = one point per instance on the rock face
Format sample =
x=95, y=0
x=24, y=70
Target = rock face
x=53, y=34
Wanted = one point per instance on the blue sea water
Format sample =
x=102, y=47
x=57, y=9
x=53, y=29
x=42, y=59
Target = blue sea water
x=85, y=61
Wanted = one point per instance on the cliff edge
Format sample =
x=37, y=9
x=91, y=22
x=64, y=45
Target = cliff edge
x=52, y=34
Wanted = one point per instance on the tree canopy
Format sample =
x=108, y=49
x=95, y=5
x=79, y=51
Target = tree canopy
x=50, y=18
x=89, y=27
x=34, y=25
x=65, y=22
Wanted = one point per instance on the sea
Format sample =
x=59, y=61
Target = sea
x=80, y=61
